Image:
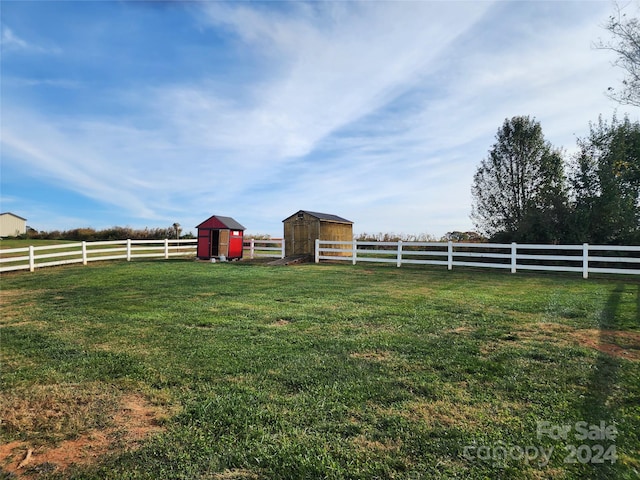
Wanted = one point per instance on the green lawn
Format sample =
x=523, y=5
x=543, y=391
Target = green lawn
x=22, y=243
x=320, y=371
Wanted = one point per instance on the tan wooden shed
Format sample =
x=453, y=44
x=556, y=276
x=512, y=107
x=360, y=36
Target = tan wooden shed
x=303, y=228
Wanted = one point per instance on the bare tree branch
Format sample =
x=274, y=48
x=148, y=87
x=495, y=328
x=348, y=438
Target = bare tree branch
x=625, y=43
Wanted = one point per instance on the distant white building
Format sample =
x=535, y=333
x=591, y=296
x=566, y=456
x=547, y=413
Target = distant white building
x=12, y=225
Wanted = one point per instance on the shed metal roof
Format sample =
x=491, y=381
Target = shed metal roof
x=327, y=217
x=13, y=215
x=228, y=222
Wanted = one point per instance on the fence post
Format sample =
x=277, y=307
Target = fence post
x=449, y=255
x=166, y=248
x=354, y=252
x=514, y=258
x=585, y=260
x=317, y=250
x=32, y=258
x=283, y=250
x=128, y=249
x=399, y=253
x=252, y=247
x=84, y=253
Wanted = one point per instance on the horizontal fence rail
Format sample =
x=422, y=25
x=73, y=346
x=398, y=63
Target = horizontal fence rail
x=271, y=248
x=583, y=259
x=32, y=257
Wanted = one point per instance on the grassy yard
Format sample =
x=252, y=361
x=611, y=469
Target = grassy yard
x=20, y=243
x=187, y=370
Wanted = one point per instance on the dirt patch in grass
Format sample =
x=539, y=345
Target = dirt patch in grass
x=364, y=444
x=368, y=272
x=617, y=343
x=17, y=295
x=235, y=474
x=13, y=304
x=463, y=329
x=459, y=414
x=442, y=413
x=280, y=323
x=51, y=413
x=63, y=428
x=376, y=356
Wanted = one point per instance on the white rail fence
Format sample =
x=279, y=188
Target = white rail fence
x=272, y=248
x=33, y=257
x=583, y=259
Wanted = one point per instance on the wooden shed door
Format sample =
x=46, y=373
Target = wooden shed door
x=301, y=238
x=223, y=245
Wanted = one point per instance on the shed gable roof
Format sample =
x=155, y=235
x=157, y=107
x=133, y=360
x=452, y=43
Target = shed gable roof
x=326, y=217
x=218, y=221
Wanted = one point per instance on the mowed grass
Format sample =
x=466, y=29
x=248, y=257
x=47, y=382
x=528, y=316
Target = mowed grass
x=21, y=243
x=321, y=371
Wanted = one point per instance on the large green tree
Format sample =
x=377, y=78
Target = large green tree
x=519, y=190
x=606, y=183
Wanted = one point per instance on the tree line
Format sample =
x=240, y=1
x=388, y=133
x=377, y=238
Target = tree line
x=454, y=236
x=526, y=191
x=113, y=233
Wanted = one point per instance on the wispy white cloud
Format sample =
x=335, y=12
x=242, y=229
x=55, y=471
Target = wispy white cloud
x=333, y=69
x=41, y=82
x=10, y=41
x=336, y=65
x=82, y=166
x=376, y=111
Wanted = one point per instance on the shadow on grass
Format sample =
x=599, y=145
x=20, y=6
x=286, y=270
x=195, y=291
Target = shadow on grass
x=596, y=406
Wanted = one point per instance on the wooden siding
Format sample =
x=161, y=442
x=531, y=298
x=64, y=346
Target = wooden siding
x=302, y=229
x=338, y=232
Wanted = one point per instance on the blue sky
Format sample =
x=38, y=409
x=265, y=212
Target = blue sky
x=143, y=114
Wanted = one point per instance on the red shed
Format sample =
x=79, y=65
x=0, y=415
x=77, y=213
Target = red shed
x=220, y=237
